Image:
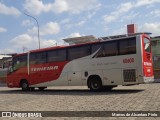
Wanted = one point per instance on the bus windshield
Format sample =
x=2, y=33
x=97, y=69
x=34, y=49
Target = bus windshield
x=147, y=45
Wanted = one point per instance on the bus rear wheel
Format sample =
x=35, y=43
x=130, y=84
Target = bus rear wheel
x=24, y=85
x=95, y=84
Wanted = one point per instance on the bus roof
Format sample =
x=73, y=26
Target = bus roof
x=123, y=36
x=59, y=47
x=81, y=41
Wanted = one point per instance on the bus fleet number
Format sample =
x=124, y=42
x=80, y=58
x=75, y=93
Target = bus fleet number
x=128, y=60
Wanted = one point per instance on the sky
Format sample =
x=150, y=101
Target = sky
x=59, y=19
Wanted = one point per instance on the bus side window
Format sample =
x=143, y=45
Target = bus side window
x=110, y=48
x=78, y=52
x=56, y=55
x=19, y=62
x=38, y=58
x=99, y=49
x=127, y=46
x=32, y=58
x=23, y=61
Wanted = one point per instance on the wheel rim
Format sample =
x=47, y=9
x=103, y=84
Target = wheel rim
x=95, y=85
x=25, y=85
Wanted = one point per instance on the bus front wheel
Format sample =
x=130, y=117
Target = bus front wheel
x=24, y=85
x=95, y=84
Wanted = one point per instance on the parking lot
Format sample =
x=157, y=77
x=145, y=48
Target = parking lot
x=144, y=97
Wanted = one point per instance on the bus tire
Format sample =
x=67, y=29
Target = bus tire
x=24, y=85
x=95, y=84
x=41, y=88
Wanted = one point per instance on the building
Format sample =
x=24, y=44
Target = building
x=155, y=41
x=3, y=68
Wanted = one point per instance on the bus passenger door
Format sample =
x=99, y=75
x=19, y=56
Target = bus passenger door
x=74, y=78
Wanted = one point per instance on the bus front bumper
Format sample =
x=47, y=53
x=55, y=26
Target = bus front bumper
x=149, y=79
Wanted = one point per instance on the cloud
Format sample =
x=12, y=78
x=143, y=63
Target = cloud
x=60, y=6
x=119, y=31
x=122, y=9
x=140, y=3
x=155, y=13
x=74, y=6
x=91, y=14
x=36, y=7
x=125, y=8
x=129, y=16
x=26, y=23
x=7, y=51
x=21, y=40
x=50, y=28
x=29, y=42
x=151, y=27
x=5, y=10
x=81, y=23
x=48, y=43
x=3, y=29
x=76, y=34
x=65, y=21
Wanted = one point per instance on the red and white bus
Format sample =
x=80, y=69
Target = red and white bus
x=102, y=63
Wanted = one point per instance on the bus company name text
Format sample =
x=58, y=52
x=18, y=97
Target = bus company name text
x=44, y=68
x=147, y=64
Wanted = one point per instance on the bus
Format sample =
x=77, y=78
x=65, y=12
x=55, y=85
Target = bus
x=99, y=63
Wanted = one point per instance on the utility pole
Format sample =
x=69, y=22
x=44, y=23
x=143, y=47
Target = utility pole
x=37, y=26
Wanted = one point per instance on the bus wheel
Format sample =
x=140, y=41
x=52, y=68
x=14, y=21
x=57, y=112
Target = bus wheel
x=41, y=88
x=24, y=85
x=95, y=84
